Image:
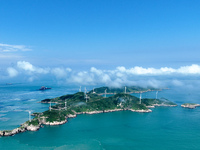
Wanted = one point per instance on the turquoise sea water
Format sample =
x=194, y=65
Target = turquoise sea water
x=165, y=128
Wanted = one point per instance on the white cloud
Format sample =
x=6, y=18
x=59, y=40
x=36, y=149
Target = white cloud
x=58, y=72
x=68, y=69
x=122, y=76
x=193, y=69
x=82, y=77
x=13, y=48
x=177, y=83
x=26, y=66
x=121, y=69
x=96, y=71
x=144, y=71
x=10, y=56
x=61, y=72
x=117, y=77
x=106, y=78
x=12, y=72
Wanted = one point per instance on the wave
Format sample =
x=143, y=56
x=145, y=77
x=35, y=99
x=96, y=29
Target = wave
x=1, y=115
x=31, y=100
x=15, y=99
x=4, y=119
x=3, y=111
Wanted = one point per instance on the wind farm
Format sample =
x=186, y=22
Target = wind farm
x=68, y=106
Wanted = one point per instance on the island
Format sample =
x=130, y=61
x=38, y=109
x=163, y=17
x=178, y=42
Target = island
x=190, y=105
x=127, y=90
x=92, y=102
x=44, y=88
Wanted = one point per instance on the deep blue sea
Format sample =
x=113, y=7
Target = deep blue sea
x=166, y=128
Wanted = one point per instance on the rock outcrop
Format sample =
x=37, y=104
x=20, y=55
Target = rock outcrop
x=55, y=123
x=190, y=105
x=24, y=127
x=142, y=110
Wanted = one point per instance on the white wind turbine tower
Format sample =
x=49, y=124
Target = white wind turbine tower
x=125, y=89
x=105, y=92
x=85, y=91
x=140, y=98
x=29, y=115
x=156, y=94
x=50, y=105
x=65, y=104
x=80, y=89
x=86, y=97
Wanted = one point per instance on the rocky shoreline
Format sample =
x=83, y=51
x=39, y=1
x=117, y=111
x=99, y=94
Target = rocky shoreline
x=190, y=105
x=25, y=127
x=160, y=105
x=142, y=110
x=55, y=123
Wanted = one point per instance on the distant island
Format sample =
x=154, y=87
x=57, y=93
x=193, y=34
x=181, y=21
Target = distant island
x=44, y=88
x=92, y=102
x=190, y=105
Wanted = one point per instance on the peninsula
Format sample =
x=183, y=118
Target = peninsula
x=68, y=106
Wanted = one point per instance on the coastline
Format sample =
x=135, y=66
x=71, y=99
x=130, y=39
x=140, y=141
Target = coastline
x=160, y=105
x=25, y=127
x=190, y=105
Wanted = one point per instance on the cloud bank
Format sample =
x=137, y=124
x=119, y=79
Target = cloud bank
x=119, y=76
x=184, y=70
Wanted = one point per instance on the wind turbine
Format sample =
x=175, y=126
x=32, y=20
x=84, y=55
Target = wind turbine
x=105, y=92
x=140, y=98
x=80, y=89
x=85, y=90
x=156, y=94
x=125, y=89
x=86, y=97
x=50, y=105
x=65, y=104
x=29, y=111
x=93, y=90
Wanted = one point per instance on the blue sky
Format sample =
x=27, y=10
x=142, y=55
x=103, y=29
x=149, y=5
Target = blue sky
x=103, y=34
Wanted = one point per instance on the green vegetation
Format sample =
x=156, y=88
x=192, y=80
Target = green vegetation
x=7, y=131
x=189, y=104
x=162, y=101
x=46, y=100
x=21, y=127
x=34, y=122
x=54, y=115
x=77, y=103
x=130, y=89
